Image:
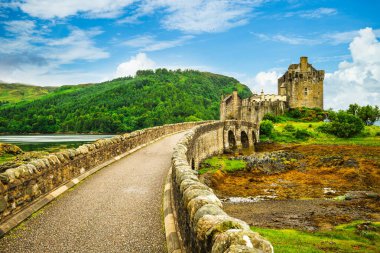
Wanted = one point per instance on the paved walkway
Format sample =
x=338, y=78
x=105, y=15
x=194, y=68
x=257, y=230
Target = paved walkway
x=118, y=209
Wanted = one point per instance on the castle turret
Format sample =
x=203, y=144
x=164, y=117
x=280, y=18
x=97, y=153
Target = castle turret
x=303, y=64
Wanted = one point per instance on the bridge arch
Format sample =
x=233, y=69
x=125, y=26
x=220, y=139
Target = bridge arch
x=244, y=139
x=231, y=140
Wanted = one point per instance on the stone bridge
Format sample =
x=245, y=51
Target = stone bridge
x=118, y=208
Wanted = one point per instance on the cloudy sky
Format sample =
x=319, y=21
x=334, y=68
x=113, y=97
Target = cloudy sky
x=45, y=42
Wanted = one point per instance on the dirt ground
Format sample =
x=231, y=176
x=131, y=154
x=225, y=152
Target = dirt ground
x=325, y=185
x=309, y=215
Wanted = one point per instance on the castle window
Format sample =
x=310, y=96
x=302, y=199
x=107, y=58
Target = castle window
x=305, y=91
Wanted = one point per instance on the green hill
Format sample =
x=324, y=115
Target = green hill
x=14, y=92
x=124, y=104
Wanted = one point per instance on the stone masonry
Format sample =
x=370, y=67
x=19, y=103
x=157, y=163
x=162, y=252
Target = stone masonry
x=21, y=186
x=203, y=224
x=251, y=109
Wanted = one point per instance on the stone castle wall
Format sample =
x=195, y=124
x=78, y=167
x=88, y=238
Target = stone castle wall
x=204, y=226
x=251, y=109
x=25, y=184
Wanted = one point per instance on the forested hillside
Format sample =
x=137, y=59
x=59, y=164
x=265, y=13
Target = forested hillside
x=124, y=104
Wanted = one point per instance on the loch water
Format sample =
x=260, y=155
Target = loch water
x=50, y=142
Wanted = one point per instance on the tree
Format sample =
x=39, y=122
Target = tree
x=353, y=109
x=343, y=125
x=369, y=114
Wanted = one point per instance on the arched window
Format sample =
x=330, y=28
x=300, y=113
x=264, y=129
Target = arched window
x=306, y=91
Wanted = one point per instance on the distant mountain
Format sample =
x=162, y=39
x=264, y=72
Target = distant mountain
x=15, y=92
x=124, y=104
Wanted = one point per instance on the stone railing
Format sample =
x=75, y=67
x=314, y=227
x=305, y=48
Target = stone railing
x=203, y=225
x=21, y=186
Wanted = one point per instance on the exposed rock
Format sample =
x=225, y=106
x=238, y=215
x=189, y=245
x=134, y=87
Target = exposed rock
x=3, y=204
x=6, y=148
x=361, y=195
x=273, y=162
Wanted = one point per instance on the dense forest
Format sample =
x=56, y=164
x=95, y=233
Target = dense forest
x=151, y=98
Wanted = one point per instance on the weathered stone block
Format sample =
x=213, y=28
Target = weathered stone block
x=3, y=203
x=233, y=237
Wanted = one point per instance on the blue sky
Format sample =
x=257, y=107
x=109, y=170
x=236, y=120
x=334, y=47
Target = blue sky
x=45, y=42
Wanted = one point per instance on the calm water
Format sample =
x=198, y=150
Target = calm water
x=50, y=142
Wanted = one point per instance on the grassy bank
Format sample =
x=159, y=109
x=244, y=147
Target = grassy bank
x=285, y=134
x=221, y=162
x=357, y=236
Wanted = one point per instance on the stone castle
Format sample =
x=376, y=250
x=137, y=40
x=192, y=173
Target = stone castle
x=300, y=86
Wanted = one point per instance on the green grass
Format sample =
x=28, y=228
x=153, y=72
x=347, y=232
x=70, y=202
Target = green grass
x=14, y=93
x=367, y=137
x=6, y=158
x=343, y=238
x=223, y=163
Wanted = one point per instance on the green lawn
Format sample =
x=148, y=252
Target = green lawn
x=343, y=238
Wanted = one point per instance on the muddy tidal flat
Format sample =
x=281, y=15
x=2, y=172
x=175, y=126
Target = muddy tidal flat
x=305, y=187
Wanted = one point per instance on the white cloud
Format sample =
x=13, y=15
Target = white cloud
x=195, y=16
x=317, y=13
x=139, y=62
x=357, y=81
x=46, y=76
x=344, y=37
x=77, y=46
x=288, y=39
x=148, y=43
x=294, y=40
x=47, y=9
x=334, y=38
x=263, y=81
x=198, y=16
x=28, y=55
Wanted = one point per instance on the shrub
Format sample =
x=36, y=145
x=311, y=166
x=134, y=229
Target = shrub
x=289, y=128
x=294, y=113
x=343, y=125
x=271, y=117
x=266, y=128
x=302, y=134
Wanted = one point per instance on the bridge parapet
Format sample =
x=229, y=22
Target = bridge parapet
x=28, y=183
x=204, y=226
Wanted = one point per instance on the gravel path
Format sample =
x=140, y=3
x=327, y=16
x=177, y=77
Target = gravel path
x=117, y=209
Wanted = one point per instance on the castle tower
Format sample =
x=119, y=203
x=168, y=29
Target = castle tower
x=230, y=107
x=302, y=85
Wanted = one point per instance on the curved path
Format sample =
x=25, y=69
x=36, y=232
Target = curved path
x=118, y=209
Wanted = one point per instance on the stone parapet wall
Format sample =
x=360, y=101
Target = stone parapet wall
x=203, y=224
x=21, y=186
